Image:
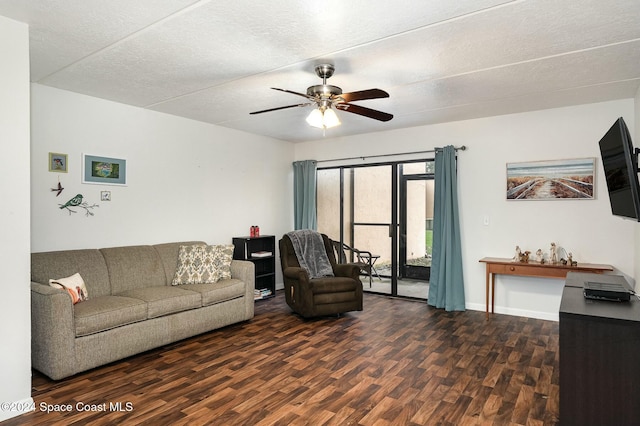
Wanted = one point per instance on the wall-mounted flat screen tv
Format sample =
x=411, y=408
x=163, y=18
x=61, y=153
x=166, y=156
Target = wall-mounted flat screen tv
x=620, y=163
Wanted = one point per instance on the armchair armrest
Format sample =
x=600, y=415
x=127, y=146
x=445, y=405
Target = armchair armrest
x=350, y=270
x=296, y=273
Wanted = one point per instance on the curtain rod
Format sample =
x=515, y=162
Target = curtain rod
x=462, y=148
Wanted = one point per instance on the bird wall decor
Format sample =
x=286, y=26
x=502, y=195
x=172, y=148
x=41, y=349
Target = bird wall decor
x=59, y=189
x=77, y=201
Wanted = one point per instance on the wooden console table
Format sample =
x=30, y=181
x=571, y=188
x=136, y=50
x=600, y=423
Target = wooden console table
x=496, y=265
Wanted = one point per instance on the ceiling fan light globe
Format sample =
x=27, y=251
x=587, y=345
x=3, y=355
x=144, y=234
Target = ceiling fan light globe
x=315, y=118
x=330, y=118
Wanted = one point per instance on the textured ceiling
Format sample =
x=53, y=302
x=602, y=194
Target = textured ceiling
x=214, y=61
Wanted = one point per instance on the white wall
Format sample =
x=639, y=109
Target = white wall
x=586, y=228
x=185, y=179
x=15, y=319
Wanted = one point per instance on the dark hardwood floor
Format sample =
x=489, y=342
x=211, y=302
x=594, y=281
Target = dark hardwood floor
x=398, y=362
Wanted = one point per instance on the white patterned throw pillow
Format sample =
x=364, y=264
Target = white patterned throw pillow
x=74, y=285
x=203, y=264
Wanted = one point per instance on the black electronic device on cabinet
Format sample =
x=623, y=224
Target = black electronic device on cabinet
x=261, y=252
x=620, y=163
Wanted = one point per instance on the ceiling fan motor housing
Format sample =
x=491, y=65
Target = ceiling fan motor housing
x=324, y=91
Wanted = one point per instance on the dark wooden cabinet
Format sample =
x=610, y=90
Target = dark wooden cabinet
x=599, y=357
x=262, y=252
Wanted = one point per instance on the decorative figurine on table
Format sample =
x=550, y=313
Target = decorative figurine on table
x=570, y=260
x=516, y=257
x=553, y=255
x=524, y=257
x=539, y=256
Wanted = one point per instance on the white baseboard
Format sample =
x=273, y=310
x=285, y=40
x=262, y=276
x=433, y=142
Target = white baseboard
x=549, y=316
x=9, y=410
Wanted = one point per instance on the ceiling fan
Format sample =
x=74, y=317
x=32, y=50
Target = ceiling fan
x=327, y=97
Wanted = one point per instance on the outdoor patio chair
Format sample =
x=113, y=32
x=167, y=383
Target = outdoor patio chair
x=364, y=259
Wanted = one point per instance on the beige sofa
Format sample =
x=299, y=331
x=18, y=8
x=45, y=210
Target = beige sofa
x=132, y=306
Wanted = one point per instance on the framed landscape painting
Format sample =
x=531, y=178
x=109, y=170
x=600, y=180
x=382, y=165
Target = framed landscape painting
x=104, y=170
x=552, y=180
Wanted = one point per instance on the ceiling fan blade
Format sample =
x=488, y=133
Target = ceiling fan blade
x=364, y=94
x=367, y=112
x=282, y=107
x=294, y=93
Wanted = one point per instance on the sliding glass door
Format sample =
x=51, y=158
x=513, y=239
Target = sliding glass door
x=374, y=221
x=386, y=210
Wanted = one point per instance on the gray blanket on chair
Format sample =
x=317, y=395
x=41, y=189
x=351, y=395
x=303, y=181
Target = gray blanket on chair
x=311, y=253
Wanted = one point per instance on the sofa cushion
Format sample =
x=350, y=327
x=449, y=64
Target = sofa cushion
x=106, y=312
x=133, y=267
x=74, y=285
x=203, y=264
x=165, y=300
x=221, y=291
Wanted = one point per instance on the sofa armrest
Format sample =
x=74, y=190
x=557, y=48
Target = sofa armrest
x=244, y=271
x=52, y=331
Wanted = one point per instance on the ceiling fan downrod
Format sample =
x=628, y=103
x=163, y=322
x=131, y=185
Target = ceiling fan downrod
x=325, y=71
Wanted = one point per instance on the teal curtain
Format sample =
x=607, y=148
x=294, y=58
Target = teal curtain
x=304, y=195
x=446, y=286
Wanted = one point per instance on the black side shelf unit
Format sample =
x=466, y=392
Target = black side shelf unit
x=260, y=251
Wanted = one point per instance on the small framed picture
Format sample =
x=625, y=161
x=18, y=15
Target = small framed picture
x=57, y=162
x=104, y=170
x=105, y=195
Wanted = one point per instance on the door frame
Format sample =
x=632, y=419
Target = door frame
x=422, y=273
x=394, y=234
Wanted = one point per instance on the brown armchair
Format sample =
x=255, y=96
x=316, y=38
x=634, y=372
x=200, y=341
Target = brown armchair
x=319, y=296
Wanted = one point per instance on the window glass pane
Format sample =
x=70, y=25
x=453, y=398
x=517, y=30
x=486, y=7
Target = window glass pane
x=328, y=202
x=419, y=224
x=372, y=194
x=413, y=168
x=375, y=239
x=431, y=166
x=418, y=168
x=347, y=206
